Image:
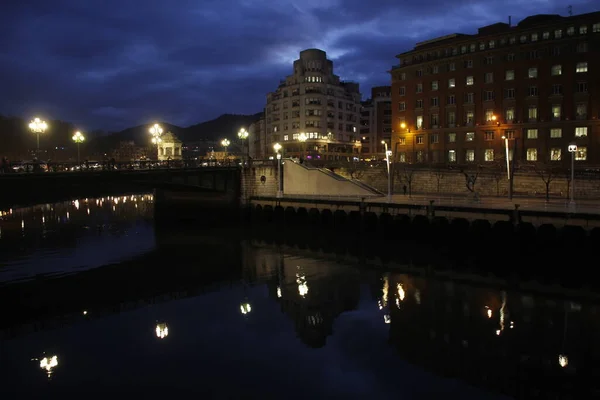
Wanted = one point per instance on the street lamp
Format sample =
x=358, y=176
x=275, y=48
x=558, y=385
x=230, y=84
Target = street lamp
x=156, y=130
x=78, y=138
x=243, y=135
x=302, y=138
x=277, y=148
x=572, y=150
x=157, y=141
x=388, y=153
x=38, y=126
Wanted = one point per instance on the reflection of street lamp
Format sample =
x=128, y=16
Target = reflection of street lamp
x=572, y=150
x=38, y=126
x=162, y=331
x=277, y=148
x=78, y=138
x=243, y=135
x=225, y=143
x=302, y=138
x=388, y=153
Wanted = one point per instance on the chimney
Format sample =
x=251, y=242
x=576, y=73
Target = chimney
x=509, y=21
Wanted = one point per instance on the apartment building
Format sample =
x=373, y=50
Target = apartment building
x=375, y=123
x=260, y=146
x=313, y=113
x=456, y=97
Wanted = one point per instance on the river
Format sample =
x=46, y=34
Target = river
x=97, y=300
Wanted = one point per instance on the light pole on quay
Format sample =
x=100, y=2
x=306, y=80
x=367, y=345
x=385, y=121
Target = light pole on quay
x=38, y=126
x=572, y=150
x=277, y=147
x=302, y=139
x=243, y=135
x=156, y=131
x=78, y=138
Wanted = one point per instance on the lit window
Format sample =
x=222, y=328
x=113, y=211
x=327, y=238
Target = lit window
x=556, y=70
x=596, y=28
x=451, y=137
x=534, y=37
x=581, y=154
x=532, y=73
x=451, y=155
x=509, y=75
x=555, y=133
x=434, y=85
x=555, y=154
x=470, y=155
x=470, y=80
x=489, y=135
x=532, y=133
x=581, y=131
x=470, y=136
x=531, y=154
x=558, y=33
x=545, y=35
x=510, y=114
x=533, y=113
x=489, y=154
x=556, y=112
x=451, y=83
x=420, y=139
x=286, y=137
x=581, y=67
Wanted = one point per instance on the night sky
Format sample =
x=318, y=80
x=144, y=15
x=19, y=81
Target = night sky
x=112, y=64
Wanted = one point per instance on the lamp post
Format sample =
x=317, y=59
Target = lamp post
x=243, y=135
x=78, y=138
x=277, y=148
x=225, y=143
x=156, y=131
x=38, y=126
x=387, y=159
x=302, y=138
x=572, y=150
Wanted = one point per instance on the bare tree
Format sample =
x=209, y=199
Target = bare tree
x=355, y=171
x=439, y=174
x=471, y=176
x=405, y=173
x=547, y=173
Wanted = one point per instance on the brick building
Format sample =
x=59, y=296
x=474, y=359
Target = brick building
x=536, y=83
x=375, y=122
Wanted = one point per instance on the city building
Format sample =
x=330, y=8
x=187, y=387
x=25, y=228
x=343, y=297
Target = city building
x=260, y=143
x=169, y=148
x=313, y=113
x=128, y=151
x=537, y=84
x=375, y=123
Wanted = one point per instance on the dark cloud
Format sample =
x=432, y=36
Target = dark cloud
x=116, y=63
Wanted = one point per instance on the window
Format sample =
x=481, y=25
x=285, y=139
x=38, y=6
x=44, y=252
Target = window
x=581, y=131
x=581, y=110
x=531, y=154
x=509, y=134
x=488, y=60
x=509, y=93
x=557, y=90
x=402, y=157
x=402, y=106
x=532, y=113
x=434, y=102
x=488, y=95
x=469, y=98
x=492, y=44
x=489, y=154
x=435, y=69
x=488, y=77
x=510, y=57
x=452, y=138
x=470, y=81
x=419, y=123
x=556, y=70
x=555, y=154
x=420, y=156
x=532, y=73
x=469, y=136
x=509, y=75
x=451, y=119
x=512, y=40
x=434, y=85
x=482, y=46
x=556, y=51
x=532, y=91
x=532, y=133
x=489, y=135
x=451, y=83
x=402, y=76
x=451, y=155
x=555, y=133
x=451, y=99
x=556, y=112
x=286, y=137
x=534, y=37
x=419, y=72
x=582, y=87
x=472, y=47
x=402, y=90
x=434, y=120
x=469, y=64
x=583, y=30
x=451, y=67
x=581, y=67
x=581, y=154
x=571, y=30
x=434, y=138
x=509, y=114
x=523, y=39
x=558, y=33
x=420, y=139
x=596, y=28
x=469, y=117
x=401, y=141
x=489, y=115
x=546, y=35
x=470, y=155
x=582, y=47
x=419, y=88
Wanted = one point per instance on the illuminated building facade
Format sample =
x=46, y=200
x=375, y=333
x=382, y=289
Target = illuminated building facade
x=536, y=83
x=260, y=143
x=314, y=101
x=169, y=148
x=375, y=123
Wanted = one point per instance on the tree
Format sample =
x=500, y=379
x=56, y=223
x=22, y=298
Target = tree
x=355, y=170
x=471, y=176
x=439, y=174
x=547, y=173
x=405, y=174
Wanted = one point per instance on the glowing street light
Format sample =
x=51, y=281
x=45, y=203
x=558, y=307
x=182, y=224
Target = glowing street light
x=48, y=363
x=156, y=130
x=572, y=149
x=38, y=126
x=225, y=143
x=162, y=331
x=277, y=147
x=388, y=153
x=245, y=308
x=302, y=138
x=78, y=138
x=243, y=135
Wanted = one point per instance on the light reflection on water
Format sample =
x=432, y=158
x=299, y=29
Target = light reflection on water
x=74, y=235
x=249, y=320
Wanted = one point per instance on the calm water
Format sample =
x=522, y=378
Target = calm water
x=96, y=301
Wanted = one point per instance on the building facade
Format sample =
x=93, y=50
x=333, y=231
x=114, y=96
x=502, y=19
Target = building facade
x=314, y=101
x=258, y=140
x=375, y=123
x=169, y=148
x=536, y=83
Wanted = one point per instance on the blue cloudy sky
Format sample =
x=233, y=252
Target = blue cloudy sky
x=116, y=63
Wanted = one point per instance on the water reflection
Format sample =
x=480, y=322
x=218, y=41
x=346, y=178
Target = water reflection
x=73, y=235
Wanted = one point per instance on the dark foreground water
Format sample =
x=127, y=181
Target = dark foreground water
x=96, y=302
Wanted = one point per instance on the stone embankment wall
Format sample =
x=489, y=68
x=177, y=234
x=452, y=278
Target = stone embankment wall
x=487, y=183
x=259, y=180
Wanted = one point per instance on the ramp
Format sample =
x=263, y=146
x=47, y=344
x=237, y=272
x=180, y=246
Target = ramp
x=300, y=179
